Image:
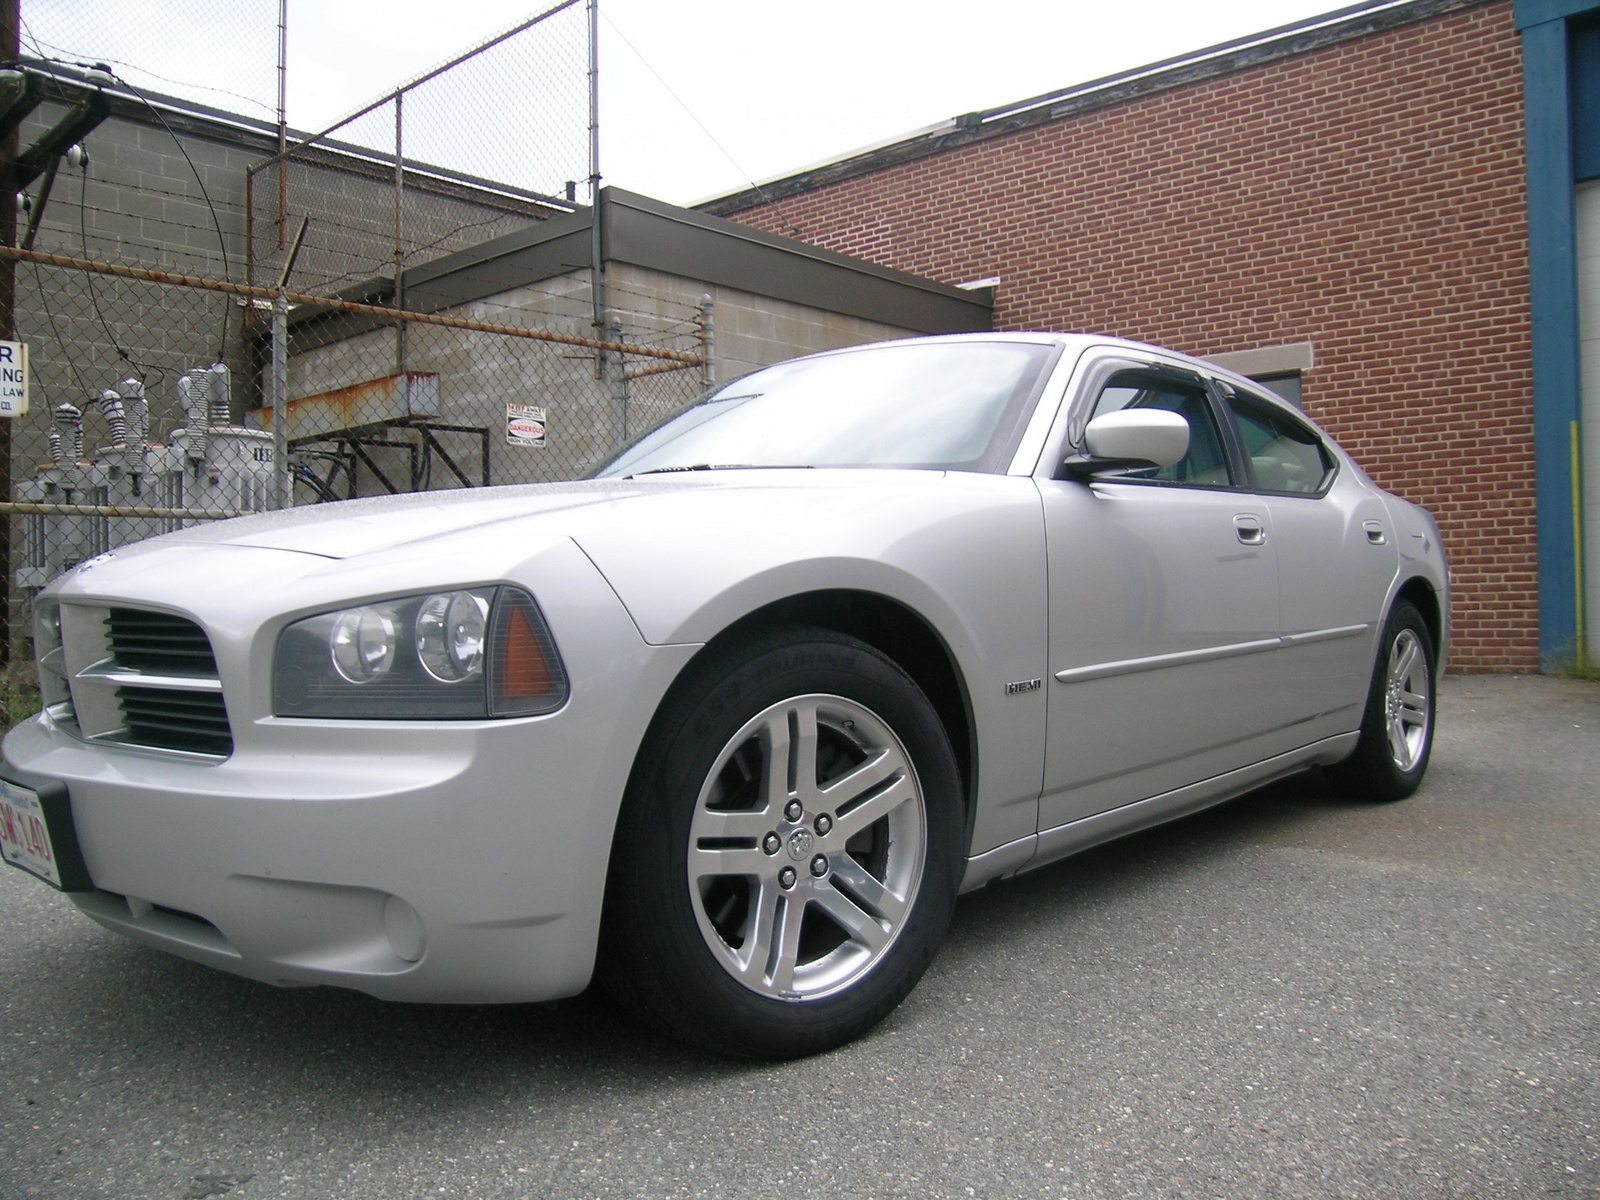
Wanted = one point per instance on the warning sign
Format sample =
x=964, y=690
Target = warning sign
x=524, y=425
x=13, y=379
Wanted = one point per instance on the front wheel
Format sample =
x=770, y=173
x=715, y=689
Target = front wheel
x=787, y=857
x=1397, y=725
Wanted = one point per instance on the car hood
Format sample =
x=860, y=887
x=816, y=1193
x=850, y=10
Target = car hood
x=356, y=528
x=352, y=528
x=685, y=553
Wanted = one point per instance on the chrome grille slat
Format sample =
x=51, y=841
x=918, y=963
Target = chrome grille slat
x=193, y=721
x=155, y=641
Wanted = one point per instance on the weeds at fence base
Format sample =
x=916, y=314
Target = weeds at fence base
x=19, y=693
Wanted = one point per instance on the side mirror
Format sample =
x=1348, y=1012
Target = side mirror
x=1130, y=439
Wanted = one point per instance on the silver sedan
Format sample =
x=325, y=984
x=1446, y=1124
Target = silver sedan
x=731, y=723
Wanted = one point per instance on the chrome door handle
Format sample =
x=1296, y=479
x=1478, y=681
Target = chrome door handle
x=1249, y=529
x=1375, y=533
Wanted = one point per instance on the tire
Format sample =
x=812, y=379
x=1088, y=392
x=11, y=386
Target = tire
x=1397, y=725
x=789, y=850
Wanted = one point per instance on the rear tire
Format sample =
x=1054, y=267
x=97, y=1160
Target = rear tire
x=788, y=853
x=1397, y=726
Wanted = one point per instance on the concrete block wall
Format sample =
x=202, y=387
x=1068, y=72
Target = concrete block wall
x=1367, y=198
x=143, y=203
x=751, y=331
x=478, y=375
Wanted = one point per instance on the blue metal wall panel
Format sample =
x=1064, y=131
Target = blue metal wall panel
x=1537, y=12
x=1553, y=277
x=1584, y=47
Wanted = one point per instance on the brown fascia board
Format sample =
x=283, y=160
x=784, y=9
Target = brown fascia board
x=1317, y=33
x=642, y=232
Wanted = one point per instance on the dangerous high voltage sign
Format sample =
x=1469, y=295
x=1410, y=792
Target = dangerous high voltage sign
x=13, y=379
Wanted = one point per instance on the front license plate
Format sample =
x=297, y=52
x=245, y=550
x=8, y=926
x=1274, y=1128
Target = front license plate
x=37, y=829
x=25, y=833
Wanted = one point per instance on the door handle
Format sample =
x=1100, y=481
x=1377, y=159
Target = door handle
x=1375, y=533
x=1249, y=529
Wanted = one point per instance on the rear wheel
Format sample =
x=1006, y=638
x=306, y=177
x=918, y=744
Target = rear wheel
x=787, y=859
x=1397, y=726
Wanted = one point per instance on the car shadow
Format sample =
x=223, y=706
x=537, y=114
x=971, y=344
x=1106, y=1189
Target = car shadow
x=325, y=1049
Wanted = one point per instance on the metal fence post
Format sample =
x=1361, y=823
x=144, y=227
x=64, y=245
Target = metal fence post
x=617, y=367
x=278, y=396
x=399, y=231
x=706, y=335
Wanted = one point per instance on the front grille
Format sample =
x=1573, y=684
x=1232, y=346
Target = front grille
x=135, y=677
x=159, y=642
x=196, y=722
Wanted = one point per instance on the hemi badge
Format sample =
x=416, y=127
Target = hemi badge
x=1024, y=685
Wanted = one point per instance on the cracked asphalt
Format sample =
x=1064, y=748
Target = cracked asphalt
x=1290, y=995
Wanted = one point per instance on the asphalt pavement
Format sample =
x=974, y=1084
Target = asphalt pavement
x=1290, y=995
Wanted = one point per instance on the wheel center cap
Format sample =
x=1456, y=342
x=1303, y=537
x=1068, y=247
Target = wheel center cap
x=799, y=844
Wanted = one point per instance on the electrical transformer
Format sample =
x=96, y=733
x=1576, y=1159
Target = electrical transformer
x=211, y=466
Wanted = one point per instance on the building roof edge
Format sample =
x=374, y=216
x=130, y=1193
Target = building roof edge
x=1225, y=58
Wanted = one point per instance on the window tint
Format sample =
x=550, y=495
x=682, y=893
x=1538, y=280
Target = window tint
x=1206, y=463
x=1285, y=456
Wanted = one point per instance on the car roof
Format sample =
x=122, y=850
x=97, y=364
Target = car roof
x=1079, y=342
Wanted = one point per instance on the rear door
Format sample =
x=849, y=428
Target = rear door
x=1337, y=556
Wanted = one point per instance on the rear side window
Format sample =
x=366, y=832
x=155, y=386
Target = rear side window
x=1286, y=457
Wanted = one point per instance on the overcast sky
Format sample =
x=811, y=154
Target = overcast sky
x=699, y=97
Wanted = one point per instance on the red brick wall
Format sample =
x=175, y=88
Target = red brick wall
x=1367, y=198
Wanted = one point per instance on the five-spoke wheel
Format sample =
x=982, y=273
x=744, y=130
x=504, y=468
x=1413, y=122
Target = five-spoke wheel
x=1397, y=724
x=806, y=847
x=788, y=854
x=1408, y=699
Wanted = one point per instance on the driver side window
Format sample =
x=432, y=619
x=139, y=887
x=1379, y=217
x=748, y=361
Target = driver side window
x=1206, y=463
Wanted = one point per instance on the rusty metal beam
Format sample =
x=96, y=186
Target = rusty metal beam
x=13, y=254
x=28, y=508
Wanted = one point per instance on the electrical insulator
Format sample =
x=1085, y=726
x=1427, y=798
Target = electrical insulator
x=69, y=429
x=111, y=409
x=220, y=414
x=194, y=395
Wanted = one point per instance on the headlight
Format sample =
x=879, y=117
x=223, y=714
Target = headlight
x=450, y=633
x=362, y=644
x=473, y=652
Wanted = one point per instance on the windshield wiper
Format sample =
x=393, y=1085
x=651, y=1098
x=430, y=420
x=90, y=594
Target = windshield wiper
x=693, y=467
x=722, y=467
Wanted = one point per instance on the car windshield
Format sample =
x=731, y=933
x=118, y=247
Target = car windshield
x=953, y=405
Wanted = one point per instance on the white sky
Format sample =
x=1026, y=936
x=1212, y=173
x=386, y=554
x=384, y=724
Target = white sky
x=779, y=86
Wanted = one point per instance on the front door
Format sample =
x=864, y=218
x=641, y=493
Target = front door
x=1163, y=617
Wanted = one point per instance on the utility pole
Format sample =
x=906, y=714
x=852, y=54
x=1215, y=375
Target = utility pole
x=10, y=51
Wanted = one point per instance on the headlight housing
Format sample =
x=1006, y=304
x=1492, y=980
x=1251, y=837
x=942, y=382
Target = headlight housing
x=460, y=654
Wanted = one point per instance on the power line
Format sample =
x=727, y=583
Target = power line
x=737, y=165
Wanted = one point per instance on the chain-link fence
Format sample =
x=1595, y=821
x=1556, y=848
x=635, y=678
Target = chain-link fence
x=487, y=393
x=222, y=319
x=486, y=144
x=220, y=53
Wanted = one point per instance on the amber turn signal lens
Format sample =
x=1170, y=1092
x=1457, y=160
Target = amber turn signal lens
x=527, y=675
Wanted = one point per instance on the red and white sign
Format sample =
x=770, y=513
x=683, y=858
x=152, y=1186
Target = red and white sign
x=524, y=425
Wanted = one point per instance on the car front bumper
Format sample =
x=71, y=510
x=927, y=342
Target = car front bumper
x=443, y=861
